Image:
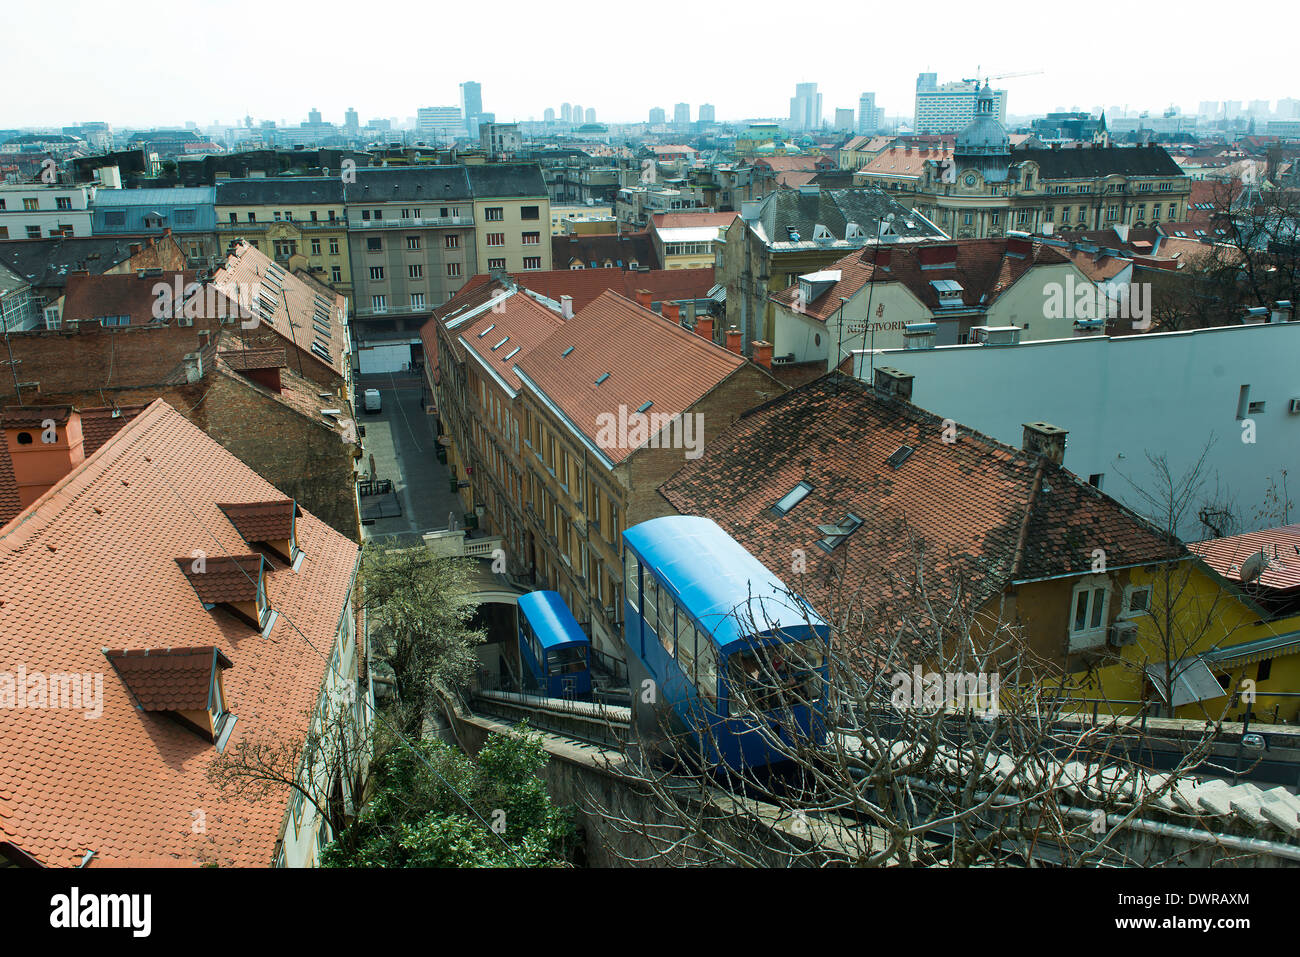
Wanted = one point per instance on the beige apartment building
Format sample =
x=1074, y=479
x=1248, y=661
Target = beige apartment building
x=512, y=217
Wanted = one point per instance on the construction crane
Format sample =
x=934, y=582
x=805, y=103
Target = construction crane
x=1000, y=76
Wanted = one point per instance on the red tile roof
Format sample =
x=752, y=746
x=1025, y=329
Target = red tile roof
x=586, y=285
x=984, y=512
x=984, y=267
x=269, y=521
x=223, y=578
x=1281, y=548
x=647, y=359
x=125, y=294
x=904, y=161
x=248, y=360
x=92, y=563
x=701, y=218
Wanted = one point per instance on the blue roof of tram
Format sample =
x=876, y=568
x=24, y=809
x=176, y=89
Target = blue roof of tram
x=552, y=622
x=718, y=580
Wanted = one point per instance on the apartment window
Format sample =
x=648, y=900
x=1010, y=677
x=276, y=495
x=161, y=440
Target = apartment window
x=314, y=217
x=1095, y=479
x=496, y=239
x=1137, y=600
x=530, y=212
x=415, y=271
x=412, y=242
x=1142, y=211
x=1088, y=611
x=4, y=232
x=496, y=264
x=532, y=239
x=284, y=248
x=1112, y=213
x=376, y=272
x=417, y=300
x=453, y=269
x=374, y=244
x=966, y=219
x=315, y=247
x=334, y=247
x=452, y=241
x=532, y=262
x=33, y=232
x=1065, y=214
x=31, y=204
x=234, y=217
x=1022, y=217
x=494, y=214
x=62, y=202
x=379, y=303
x=252, y=217
x=276, y=214
x=336, y=274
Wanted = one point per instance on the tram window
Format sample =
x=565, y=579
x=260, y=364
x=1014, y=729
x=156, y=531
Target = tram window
x=650, y=603
x=667, y=607
x=567, y=661
x=633, y=588
x=706, y=668
x=686, y=638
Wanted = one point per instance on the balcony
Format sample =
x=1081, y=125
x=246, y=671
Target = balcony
x=431, y=222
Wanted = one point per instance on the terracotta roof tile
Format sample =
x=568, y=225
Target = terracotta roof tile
x=168, y=679
x=268, y=521
x=1281, y=548
x=244, y=360
x=966, y=502
x=92, y=563
x=223, y=578
x=642, y=356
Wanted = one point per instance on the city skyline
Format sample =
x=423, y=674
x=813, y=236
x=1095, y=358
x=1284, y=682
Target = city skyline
x=954, y=50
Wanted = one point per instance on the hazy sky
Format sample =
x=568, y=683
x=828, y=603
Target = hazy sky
x=161, y=63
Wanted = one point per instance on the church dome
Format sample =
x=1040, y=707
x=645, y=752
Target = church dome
x=984, y=136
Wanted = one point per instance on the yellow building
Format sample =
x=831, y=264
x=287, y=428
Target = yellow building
x=688, y=240
x=512, y=216
x=296, y=220
x=1229, y=648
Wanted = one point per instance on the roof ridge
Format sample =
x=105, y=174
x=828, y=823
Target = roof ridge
x=697, y=341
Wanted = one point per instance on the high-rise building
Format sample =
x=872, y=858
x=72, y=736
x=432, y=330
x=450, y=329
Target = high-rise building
x=870, y=117
x=549, y=115
x=682, y=115
x=434, y=123
x=951, y=107
x=471, y=102
x=707, y=114
x=1288, y=108
x=566, y=112
x=590, y=115
x=313, y=117
x=351, y=121
x=658, y=117
x=844, y=120
x=806, y=107
x=577, y=115
x=1259, y=108
x=1208, y=109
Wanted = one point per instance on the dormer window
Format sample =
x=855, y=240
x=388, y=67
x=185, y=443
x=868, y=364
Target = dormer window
x=236, y=583
x=271, y=525
x=183, y=684
x=836, y=534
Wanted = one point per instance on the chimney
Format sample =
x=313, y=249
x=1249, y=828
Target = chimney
x=1045, y=439
x=1019, y=243
x=39, y=465
x=643, y=296
x=762, y=351
x=672, y=312
x=566, y=307
x=733, y=340
x=894, y=382
x=193, y=366
x=203, y=338
x=704, y=327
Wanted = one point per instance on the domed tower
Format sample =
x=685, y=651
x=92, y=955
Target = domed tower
x=984, y=145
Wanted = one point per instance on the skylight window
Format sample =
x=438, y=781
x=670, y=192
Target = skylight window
x=487, y=330
x=603, y=377
x=566, y=352
x=791, y=498
x=511, y=353
x=836, y=534
x=902, y=455
x=500, y=344
x=643, y=406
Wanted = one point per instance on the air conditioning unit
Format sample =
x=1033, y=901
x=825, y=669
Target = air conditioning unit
x=1123, y=634
x=1294, y=406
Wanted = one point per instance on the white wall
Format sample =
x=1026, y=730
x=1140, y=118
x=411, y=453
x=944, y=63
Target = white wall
x=1120, y=398
x=389, y=357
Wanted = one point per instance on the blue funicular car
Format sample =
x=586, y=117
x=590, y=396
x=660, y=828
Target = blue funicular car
x=709, y=625
x=554, y=652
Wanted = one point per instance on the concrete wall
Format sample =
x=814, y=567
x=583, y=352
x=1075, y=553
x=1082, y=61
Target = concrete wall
x=1122, y=398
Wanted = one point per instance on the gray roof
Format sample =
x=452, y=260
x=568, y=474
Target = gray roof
x=1100, y=161
x=506, y=179
x=289, y=190
x=10, y=281
x=47, y=262
x=802, y=210
x=408, y=183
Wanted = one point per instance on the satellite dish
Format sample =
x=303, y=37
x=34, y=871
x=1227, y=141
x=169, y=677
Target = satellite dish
x=1253, y=567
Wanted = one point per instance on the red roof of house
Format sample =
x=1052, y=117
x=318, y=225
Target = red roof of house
x=986, y=514
x=984, y=267
x=116, y=294
x=90, y=567
x=646, y=357
x=702, y=218
x=586, y=285
x=1281, y=548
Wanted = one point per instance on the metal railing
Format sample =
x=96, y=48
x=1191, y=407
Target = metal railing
x=423, y=222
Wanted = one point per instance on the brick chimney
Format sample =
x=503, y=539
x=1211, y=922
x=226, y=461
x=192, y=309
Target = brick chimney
x=762, y=352
x=643, y=296
x=39, y=464
x=672, y=312
x=733, y=340
x=566, y=307
x=1045, y=439
x=704, y=327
